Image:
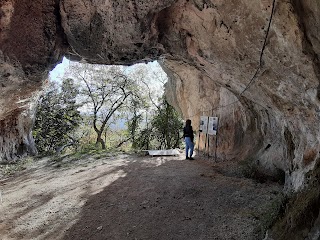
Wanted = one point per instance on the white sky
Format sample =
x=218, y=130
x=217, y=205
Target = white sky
x=152, y=68
x=57, y=74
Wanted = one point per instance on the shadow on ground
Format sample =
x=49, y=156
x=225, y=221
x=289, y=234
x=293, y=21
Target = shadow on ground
x=162, y=198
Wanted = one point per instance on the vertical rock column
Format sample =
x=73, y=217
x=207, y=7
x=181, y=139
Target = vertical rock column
x=16, y=135
x=31, y=43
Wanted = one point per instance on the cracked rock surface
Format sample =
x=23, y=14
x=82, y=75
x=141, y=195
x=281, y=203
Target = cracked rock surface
x=255, y=65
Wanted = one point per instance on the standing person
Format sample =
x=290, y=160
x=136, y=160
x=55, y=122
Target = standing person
x=188, y=138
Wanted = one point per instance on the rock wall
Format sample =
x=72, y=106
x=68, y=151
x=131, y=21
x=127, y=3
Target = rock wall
x=262, y=84
x=253, y=64
x=31, y=43
x=16, y=135
x=112, y=32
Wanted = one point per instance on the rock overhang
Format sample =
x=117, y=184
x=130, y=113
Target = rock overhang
x=211, y=51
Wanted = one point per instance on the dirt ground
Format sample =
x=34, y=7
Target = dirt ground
x=134, y=197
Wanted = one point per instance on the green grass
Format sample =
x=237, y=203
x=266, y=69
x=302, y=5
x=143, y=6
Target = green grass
x=8, y=169
x=91, y=153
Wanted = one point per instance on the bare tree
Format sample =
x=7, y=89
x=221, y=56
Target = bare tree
x=106, y=90
x=111, y=93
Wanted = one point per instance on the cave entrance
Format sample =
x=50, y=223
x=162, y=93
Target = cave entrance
x=95, y=106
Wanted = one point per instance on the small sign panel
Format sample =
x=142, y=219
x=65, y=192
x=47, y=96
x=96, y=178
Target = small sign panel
x=203, y=124
x=213, y=126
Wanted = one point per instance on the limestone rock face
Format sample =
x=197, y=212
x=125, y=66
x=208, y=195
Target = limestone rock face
x=254, y=64
x=264, y=88
x=31, y=43
x=113, y=31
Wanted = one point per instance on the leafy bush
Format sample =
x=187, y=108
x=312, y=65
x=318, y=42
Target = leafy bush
x=57, y=118
x=163, y=131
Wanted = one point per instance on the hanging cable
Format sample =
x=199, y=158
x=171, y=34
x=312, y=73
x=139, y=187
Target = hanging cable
x=254, y=77
x=262, y=51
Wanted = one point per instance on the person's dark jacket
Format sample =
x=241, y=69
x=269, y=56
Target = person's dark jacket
x=188, y=132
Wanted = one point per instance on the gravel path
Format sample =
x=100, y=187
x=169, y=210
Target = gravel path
x=131, y=197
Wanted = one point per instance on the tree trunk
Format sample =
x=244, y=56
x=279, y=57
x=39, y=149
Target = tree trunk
x=101, y=141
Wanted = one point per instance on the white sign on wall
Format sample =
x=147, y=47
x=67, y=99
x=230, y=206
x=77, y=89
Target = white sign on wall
x=213, y=126
x=203, y=124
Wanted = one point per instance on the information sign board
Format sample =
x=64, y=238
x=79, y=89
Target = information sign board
x=203, y=124
x=213, y=126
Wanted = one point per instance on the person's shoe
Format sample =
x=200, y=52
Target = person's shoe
x=187, y=158
x=191, y=158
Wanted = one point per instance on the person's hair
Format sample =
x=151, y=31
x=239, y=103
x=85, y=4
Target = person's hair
x=188, y=123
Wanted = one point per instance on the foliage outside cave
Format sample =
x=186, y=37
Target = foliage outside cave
x=106, y=107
